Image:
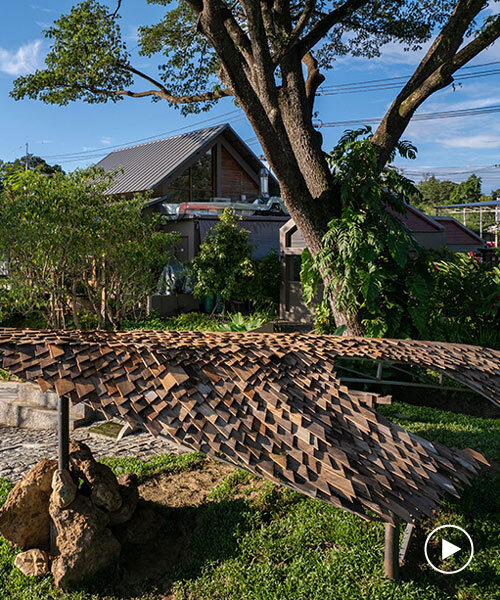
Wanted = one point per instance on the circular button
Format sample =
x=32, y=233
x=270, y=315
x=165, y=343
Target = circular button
x=448, y=541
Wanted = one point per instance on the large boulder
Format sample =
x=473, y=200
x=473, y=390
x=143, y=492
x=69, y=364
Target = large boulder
x=85, y=545
x=105, y=491
x=129, y=492
x=24, y=518
x=63, y=489
x=33, y=563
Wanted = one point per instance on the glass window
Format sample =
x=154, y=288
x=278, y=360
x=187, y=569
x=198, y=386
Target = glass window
x=196, y=184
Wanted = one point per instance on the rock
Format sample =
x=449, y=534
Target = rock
x=24, y=518
x=129, y=492
x=84, y=543
x=33, y=563
x=63, y=489
x=141, y=528
x=105, y=492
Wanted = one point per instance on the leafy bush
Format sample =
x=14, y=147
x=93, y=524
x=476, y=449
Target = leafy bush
x=365, y=259
x=76, y=239
x=224, y=265
x=225, y=269
x=240, y=323
x=195, y=321
x=192, y=321
x=375, y=270
x=464, y=302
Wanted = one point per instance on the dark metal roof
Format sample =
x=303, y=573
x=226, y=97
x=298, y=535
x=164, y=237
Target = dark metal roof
x=146, y=165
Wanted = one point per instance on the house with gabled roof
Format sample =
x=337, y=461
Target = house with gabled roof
x=197, y=166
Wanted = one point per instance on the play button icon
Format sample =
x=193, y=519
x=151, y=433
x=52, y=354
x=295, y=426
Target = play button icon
x=448, y=549
x=440, y=539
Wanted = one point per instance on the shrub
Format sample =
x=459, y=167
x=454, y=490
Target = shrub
x=224, y=265
x=240, y=323
x=265, y=287
x=464, y=305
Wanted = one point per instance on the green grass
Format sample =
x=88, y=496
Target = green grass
x=255, y=541
x=162, y=463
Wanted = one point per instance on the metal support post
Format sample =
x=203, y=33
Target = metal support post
x=63, y=434
x=391, y=551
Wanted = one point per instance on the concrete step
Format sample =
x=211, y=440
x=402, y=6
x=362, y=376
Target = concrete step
x=25, y=405
x=30, y=393
x=19, y=414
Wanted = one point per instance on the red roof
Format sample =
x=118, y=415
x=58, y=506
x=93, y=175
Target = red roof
x=457, y=234
x=416, y=221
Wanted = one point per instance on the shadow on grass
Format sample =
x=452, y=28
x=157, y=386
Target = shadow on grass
x=188, y=538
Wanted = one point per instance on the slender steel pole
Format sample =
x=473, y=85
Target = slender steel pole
x=391, y=552
x=63, y=433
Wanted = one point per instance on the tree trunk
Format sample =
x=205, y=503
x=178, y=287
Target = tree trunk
x=313, y=226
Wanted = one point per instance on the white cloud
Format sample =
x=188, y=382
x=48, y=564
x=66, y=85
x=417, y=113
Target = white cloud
x=105, y=140
x=23, y=60
x=42, y=8
x=472, y=141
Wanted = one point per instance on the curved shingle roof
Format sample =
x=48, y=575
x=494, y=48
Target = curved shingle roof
x=269, y=403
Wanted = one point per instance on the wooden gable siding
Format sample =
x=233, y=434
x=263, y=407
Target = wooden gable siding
x=234, y=179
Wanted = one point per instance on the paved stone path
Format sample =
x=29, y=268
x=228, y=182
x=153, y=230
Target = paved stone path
x=20, y=449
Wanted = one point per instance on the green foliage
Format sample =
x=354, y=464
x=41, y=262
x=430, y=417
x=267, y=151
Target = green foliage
x=365, y=258
x=373, y=267
x=433, y=192
x=192, y=321
x=239, y=322
x=30, y=162
x=224, y=265
x=87, y=59
x=464, y=304
x=467, y=191
x=264, y=293
x=64, y=237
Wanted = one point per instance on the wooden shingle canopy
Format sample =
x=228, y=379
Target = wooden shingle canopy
x=269, y=403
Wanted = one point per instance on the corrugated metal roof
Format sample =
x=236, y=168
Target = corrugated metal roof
x=146, y=165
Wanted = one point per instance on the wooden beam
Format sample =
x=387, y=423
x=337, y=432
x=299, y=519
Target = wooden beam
x=405, y=545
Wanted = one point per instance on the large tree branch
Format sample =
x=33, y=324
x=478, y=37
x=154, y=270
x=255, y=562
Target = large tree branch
x=162, y=92
x=323, y=26
x=301, y=24
x=313, y=80
x=434, y=72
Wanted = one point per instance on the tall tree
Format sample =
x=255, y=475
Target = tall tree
x=270, y=56
x=434, y=192
x=467, y=191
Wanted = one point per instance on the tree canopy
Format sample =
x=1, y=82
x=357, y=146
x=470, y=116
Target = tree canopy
x=28, y=162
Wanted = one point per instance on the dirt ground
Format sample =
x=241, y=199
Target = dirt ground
x=184, y=489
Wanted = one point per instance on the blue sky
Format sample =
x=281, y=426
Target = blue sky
x=450, y=148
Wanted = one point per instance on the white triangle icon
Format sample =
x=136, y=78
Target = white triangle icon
x=447, y=549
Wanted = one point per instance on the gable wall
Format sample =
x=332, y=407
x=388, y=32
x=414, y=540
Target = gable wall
x=234, y=180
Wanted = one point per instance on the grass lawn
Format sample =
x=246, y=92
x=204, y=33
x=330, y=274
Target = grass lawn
x=246, y=539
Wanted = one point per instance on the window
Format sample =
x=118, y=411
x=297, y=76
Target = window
x=197, y=182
